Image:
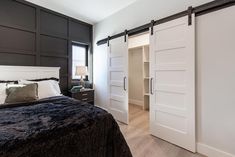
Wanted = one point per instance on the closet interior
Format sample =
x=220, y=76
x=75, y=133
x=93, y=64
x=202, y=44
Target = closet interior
x=138, y=71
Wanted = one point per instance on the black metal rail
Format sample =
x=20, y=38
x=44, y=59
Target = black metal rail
x=199, y=10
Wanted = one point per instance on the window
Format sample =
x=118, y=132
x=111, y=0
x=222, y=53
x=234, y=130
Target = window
x=79, y=58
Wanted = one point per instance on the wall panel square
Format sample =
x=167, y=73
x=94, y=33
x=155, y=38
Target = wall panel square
x=18, y=15
x=53, y=46
x=80, y=32
x=14, y=39
x=52, y=24
x=17, y=59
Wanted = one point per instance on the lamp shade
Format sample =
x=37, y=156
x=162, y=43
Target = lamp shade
x=81, y=71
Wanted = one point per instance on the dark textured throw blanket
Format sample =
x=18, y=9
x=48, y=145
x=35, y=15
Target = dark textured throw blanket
x=59, y=127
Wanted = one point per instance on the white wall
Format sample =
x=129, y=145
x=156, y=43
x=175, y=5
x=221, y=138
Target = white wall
x=216, y=79
x=139, y=13
x=215, y=67
x=138, y=40
x=100, y=75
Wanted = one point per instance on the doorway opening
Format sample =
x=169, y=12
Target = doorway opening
x=139, y=80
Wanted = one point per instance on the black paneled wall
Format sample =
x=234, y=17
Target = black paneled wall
x=34, y=36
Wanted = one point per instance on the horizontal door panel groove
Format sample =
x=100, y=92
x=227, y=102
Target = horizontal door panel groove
x=169, y=91
x=171, y=88
x=171, y=110
x=167, y=26
x=116, y=83
x=169, y=46
x=20, y=28
x=171, y=67
x=170, y=128
x=117, y=98
x=116, y=111
x=167, y=49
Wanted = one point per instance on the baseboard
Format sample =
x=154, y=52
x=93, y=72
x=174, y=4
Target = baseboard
x=211, y=151
x=136, y=102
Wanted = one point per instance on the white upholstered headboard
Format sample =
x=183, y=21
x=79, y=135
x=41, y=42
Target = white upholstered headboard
x=28, y=72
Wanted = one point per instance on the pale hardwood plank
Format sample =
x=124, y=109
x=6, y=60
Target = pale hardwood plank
x=142, y=144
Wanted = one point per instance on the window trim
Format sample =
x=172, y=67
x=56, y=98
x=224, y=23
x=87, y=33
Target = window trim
x=86, y=60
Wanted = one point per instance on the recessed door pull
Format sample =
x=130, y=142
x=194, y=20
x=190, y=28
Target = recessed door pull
x=151, y=86
x=124, y=83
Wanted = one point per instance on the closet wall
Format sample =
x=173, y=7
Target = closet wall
x=135, y=77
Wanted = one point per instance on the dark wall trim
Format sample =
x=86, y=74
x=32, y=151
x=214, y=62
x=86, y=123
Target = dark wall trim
x=35, y=36
x=199, y=10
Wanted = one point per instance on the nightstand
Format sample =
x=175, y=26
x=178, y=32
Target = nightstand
x=85, y=96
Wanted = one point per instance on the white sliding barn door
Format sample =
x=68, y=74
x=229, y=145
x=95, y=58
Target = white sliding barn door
x=172, y=68
x=117, y=79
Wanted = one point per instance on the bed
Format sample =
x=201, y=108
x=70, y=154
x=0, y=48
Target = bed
x=58, y=127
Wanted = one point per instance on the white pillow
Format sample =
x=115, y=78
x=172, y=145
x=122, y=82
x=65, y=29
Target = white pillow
x=3, y=95
x=14, y=85
x=46, y=89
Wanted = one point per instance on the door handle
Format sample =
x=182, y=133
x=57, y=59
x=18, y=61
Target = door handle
x=151, y=86
x=124, y=83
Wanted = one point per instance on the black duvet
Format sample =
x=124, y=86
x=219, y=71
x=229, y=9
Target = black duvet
x=59, y=127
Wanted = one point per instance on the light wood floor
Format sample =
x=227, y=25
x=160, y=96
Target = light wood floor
x=142, y=144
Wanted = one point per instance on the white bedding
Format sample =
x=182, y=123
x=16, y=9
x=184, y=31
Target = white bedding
x=46, y=89
x=3, y=94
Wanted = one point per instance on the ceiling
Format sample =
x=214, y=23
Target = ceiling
x=91, y=11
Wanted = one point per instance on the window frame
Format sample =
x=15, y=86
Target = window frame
x=86, y=59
